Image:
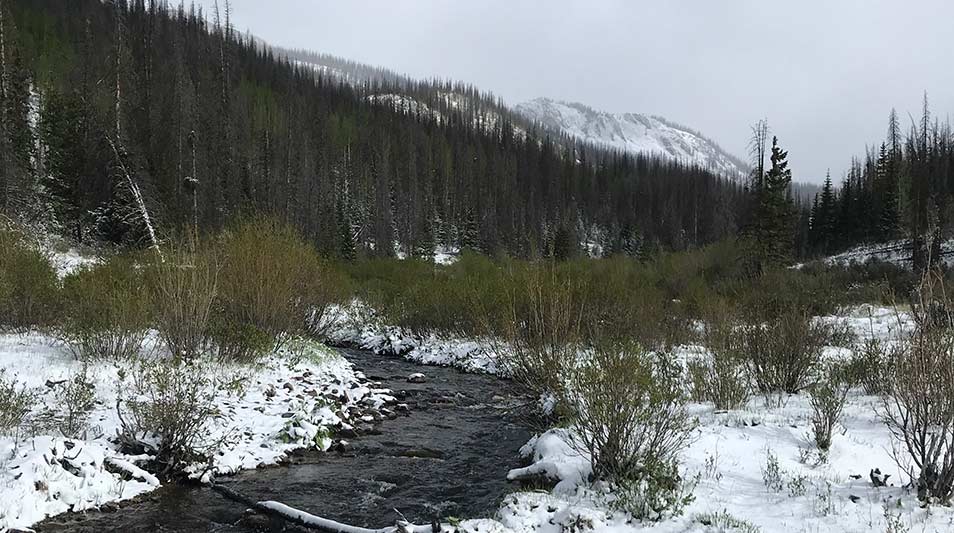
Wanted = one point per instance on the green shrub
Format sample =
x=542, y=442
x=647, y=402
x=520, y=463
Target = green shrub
x=429, y=299
x=269, y=283
x=28, y=285
x=828, y=396
x=632, y=422
x=777, y=292
x=75, y=399
x=106, y=310
x=721, y=376
x=541, y=328
x=870, y=367
x=723, y=522
x=624, y=301
x=15, y=403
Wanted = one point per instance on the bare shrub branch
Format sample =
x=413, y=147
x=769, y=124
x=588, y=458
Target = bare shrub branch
x=919, y=410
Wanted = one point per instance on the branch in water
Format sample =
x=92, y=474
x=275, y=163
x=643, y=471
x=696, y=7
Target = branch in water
x=310, y=521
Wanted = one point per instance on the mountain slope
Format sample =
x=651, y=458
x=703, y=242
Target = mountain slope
x=632, y=133
x=211, y=138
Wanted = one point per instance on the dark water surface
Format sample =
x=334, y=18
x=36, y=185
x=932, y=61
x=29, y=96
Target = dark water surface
x=448, y=456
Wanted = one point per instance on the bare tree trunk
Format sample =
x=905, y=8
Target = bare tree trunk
x=119, y=87
x=137, y=196
x=5, y=178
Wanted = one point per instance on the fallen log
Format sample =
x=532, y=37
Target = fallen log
x=310, y=521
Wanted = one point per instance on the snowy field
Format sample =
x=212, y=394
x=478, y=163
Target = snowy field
x=286, y=403
x=754, y=469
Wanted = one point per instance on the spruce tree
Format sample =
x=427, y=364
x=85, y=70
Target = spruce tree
x=775, y=212
x=887, y=193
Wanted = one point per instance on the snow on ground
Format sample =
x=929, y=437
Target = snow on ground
x=446, y=255
x=357, y=325
x=728, y=459
x=287, y=402
x=70, y=260
x=894, y=252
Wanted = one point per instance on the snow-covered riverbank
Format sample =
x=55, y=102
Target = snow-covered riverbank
x=284, y=403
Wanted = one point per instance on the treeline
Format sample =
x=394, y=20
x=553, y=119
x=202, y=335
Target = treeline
x=901, y=189
x=115, y=109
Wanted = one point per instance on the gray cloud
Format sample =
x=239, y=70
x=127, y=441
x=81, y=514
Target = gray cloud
x=825, y=73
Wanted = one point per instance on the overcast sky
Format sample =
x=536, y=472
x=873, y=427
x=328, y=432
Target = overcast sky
x=825, y=73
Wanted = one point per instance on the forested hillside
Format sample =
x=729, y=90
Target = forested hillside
x=107, y=103
x=904, y=187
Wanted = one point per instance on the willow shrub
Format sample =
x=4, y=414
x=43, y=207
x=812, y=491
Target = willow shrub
x=183, y=288
x=105, y=310
x=631, y=421
x=270, y=281
x=28, y=285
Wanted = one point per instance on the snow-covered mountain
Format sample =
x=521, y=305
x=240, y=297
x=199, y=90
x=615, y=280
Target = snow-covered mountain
x=630, y=132
x=634, y=133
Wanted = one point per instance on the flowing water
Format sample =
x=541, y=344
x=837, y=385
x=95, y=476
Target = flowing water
x=447, y=456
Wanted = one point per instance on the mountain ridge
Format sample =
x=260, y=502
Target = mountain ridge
x=660, y=136
x=633, y=133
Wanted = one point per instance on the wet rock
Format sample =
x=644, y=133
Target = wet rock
x=422, y=453
x=348, y=433
x=110, y=507
x=256, y=522
x=417, y=377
